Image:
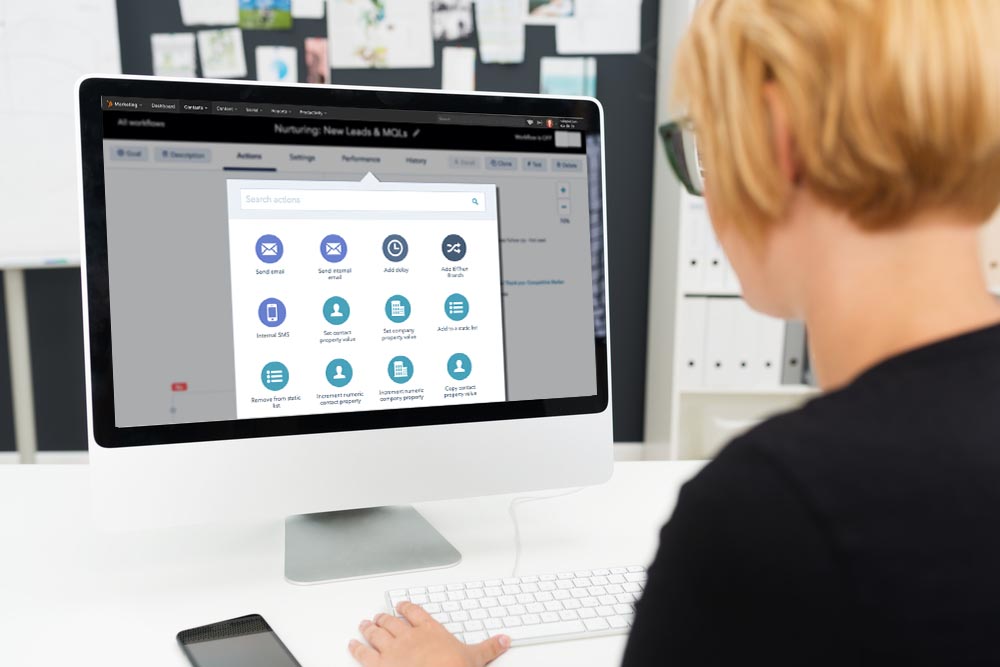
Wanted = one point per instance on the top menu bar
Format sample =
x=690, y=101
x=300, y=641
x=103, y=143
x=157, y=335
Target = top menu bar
x=289, y=111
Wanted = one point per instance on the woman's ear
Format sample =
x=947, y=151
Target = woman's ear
x=782, y=140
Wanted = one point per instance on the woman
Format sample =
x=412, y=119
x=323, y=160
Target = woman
x=851, y=149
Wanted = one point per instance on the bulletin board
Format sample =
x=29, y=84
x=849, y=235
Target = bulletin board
x=626, y=86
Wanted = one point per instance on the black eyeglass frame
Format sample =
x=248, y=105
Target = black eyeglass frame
x=682, y=151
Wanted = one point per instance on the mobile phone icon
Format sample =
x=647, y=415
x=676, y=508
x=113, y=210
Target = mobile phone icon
x=272, y=312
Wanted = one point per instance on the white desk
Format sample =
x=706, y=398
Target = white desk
x=71, y=596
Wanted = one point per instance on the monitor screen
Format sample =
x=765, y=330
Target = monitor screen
x=268, y=260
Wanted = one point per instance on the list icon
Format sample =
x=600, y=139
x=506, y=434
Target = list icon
x=274, y=375
x=456, y=307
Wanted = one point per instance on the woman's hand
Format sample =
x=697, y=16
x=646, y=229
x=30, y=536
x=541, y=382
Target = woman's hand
x=417, y=640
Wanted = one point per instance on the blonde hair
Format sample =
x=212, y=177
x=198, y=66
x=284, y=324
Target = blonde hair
x=894, y=104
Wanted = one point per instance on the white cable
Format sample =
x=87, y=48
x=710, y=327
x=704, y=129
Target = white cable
x=512, y=510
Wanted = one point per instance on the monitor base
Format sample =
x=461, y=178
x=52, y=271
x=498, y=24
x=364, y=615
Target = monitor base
x=354, y=544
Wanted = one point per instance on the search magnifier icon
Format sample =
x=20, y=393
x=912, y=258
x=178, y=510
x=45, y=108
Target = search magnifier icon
x=475, y=201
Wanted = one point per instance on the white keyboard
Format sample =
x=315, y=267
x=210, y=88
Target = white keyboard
x=533, y=609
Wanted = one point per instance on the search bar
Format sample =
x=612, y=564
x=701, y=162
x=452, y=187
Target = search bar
x=279, y=199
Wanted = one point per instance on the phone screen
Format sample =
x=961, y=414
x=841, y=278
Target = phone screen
x=240, y=642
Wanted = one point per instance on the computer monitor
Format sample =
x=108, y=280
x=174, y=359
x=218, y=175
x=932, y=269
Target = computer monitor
x=311, y=300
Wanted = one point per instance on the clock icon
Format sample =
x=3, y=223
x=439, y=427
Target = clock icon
x=395, y=248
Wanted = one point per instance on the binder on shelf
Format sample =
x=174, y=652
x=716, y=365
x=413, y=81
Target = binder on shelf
x=692, y=230
x=721, y=341
x=716, y=265
x=746, y=343
x=691, y=324
x=771, y=342
x=793, y=363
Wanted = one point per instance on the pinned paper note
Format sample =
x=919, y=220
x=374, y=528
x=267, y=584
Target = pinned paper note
x=501, y=30
x=452, y=19
x=569, y=76
x=601, y=26
x=308, y=9
x=458, y=68
x=550, y=11
x=209, y=12
x=317, y=65
x=277, y=63
x=379, y=33
x=221, y=53
x=173, y=54
x=266, y=14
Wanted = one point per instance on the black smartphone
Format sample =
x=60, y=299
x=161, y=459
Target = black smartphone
x=247, y=641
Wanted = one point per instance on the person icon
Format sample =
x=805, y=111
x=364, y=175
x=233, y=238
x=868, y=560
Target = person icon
x=459, y=366
x=336, y=310
x=339, y=372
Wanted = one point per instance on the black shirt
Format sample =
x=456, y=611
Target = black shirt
x=861, y=529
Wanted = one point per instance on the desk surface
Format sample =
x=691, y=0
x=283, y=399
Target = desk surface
x=70, y=595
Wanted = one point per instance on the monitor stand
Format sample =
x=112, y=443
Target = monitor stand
x=352, y=544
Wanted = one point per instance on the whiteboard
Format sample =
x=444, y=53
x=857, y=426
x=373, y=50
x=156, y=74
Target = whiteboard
x=45, y=47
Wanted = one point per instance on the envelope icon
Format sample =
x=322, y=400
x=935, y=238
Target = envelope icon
x=335, y=248
x=269, y=249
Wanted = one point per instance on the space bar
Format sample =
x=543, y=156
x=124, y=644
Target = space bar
x=544, y=630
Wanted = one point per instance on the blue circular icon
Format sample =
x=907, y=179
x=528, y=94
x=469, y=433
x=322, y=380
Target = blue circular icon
x=459, y=366
x=400, y=370
x=336, y=310
x=395, y=248
x=271, y=312
x=269, y=248
x=397, y=308
x=333, y=248
x=456, y=307
x=453, y=247
x=274, y=375
x=339, y=372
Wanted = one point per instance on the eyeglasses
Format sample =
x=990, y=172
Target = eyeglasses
x=682, y=151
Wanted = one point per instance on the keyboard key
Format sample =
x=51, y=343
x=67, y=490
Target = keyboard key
x=587, y=602
x=568, y=615
x=441, y=617
x=479, y=614
x=613, y=589
x=587, y=613
x=599, y=580
x=476, y=637
x=564, y=584
x=450, y=606
x=493, y=591
x=635, y=568
x=438, y=597
x=509, y=581
x=477, y=593
x=531, y=619
x=435, y=589
x=594, y=624
x=638, y=578
x=618, y=570
x=549, y=617
x=523, y=598
x=530, y=579
x=535, y=608
x=419, y=590
x=456, y=595
x=581, y=582
x=549, y=629
x=473, y=584
x=565, y=575
x=456, y=587
x=460, y=616
x=543, y=596
x=578, y=593
x=547, y=586
x=616, y=579
x=597, y=590
x=586, y=574
x=492, y=582
x=486, y=603
x=453, y=627
x=496, y=612
x=553, y=605
x=560, y=595
x=399, y=593
x=572, y=603
x=493, y=623
x=432, y=608
x=419, y=599
x=470, y=604
x=605, y=611
x=624, y=598
x=516, y=610
x=617, y=622
x=602, y=573
x=623, y=609
x=511, y=621
x=631, y=587
x=529, y=587
x=507, y=600
x=473, y=625
x=511, y=589
x=547, y=577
